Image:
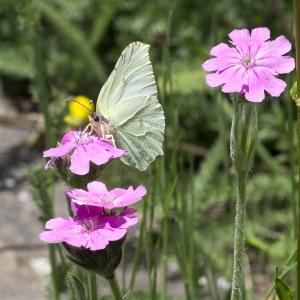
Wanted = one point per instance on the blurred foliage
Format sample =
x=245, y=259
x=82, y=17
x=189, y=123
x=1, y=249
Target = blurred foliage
x=80, y=41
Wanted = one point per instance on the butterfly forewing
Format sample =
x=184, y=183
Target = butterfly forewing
x=132, y=75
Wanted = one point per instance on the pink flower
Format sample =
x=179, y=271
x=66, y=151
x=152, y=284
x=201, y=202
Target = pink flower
x=89, y=228
x=83, y=148
x=98, y=195
x=250, y=65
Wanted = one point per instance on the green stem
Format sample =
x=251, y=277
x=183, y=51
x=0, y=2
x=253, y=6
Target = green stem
x=292, y=159
x=93, y=286
x=140, y=241
x=242, y=146
x=239, y=239
x=297, y=40
x=298, y=212
x=165, y=246
x=115, y=288
x=54, y=275
x=297, y=46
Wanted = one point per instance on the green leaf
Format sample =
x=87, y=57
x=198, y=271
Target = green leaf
x=293, y=91
x=77, y=287
x=282, y=290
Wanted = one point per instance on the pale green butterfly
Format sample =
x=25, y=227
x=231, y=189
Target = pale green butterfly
x=128, y=109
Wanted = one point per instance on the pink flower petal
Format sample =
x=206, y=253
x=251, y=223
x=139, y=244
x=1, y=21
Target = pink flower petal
x=279, y=46
x=58, y=223
x=223, y=49
x=255, y=92
x=128, y=211
x=271, y=84
x=239, y=36
x=98, y=155
x=219, y=78
x=69, y=136
x=130, y=196
x=260, y=34
x=80, y=164
x=49, y=163
x=59, y=151
x=98, y=195
x=278, y=65
x=97, y=241
x=221, y=63
x=235, y=84
x=97, y=187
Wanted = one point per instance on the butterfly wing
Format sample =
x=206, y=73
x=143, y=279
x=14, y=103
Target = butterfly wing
x=140, y=125
x=132, y=75
x=128, y=100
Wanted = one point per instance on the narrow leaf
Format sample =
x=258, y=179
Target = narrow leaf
x=282, y=290
x=77, y=287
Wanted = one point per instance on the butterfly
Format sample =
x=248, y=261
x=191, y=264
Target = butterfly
x=128, y=110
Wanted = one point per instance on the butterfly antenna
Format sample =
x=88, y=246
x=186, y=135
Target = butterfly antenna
x=69, y=100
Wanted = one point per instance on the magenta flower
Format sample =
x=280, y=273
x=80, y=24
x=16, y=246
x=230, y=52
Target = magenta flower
x=89, y=228
x=250, y=65
x=98, y=195
x=83, y=148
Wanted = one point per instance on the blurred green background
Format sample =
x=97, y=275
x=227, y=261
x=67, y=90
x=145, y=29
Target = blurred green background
x=56, y=49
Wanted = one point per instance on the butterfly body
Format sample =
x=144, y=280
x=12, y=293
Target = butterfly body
x=128, y=108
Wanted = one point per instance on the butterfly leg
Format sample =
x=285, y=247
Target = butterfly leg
x=111, y=139
x=87, y=127
x=102, y=130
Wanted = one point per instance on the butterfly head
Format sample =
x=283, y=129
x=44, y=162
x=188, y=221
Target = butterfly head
x=101, y=125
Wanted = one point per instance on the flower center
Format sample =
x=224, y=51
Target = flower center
x=90, y=223
x=107, y=199
x=82, y=138
x=248, y=61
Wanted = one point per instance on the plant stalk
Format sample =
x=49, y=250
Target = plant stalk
x=298, y=210
x=239, y=239
x=54, y=275
x=93, y=286
x=297, y=47
x=115, y=288
x=242, y=146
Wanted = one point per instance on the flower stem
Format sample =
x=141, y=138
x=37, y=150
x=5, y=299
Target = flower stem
x=242, y=145
x=297, y=46
x=93, y=286
x=298, y=231
x=239, y=239
x=115, y=288
x=54, y=275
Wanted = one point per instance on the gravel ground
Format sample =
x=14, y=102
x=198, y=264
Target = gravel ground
x=23, y=257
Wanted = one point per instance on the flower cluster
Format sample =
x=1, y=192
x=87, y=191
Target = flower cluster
x=95, y=232
x=249, y=67
x=93, y=227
